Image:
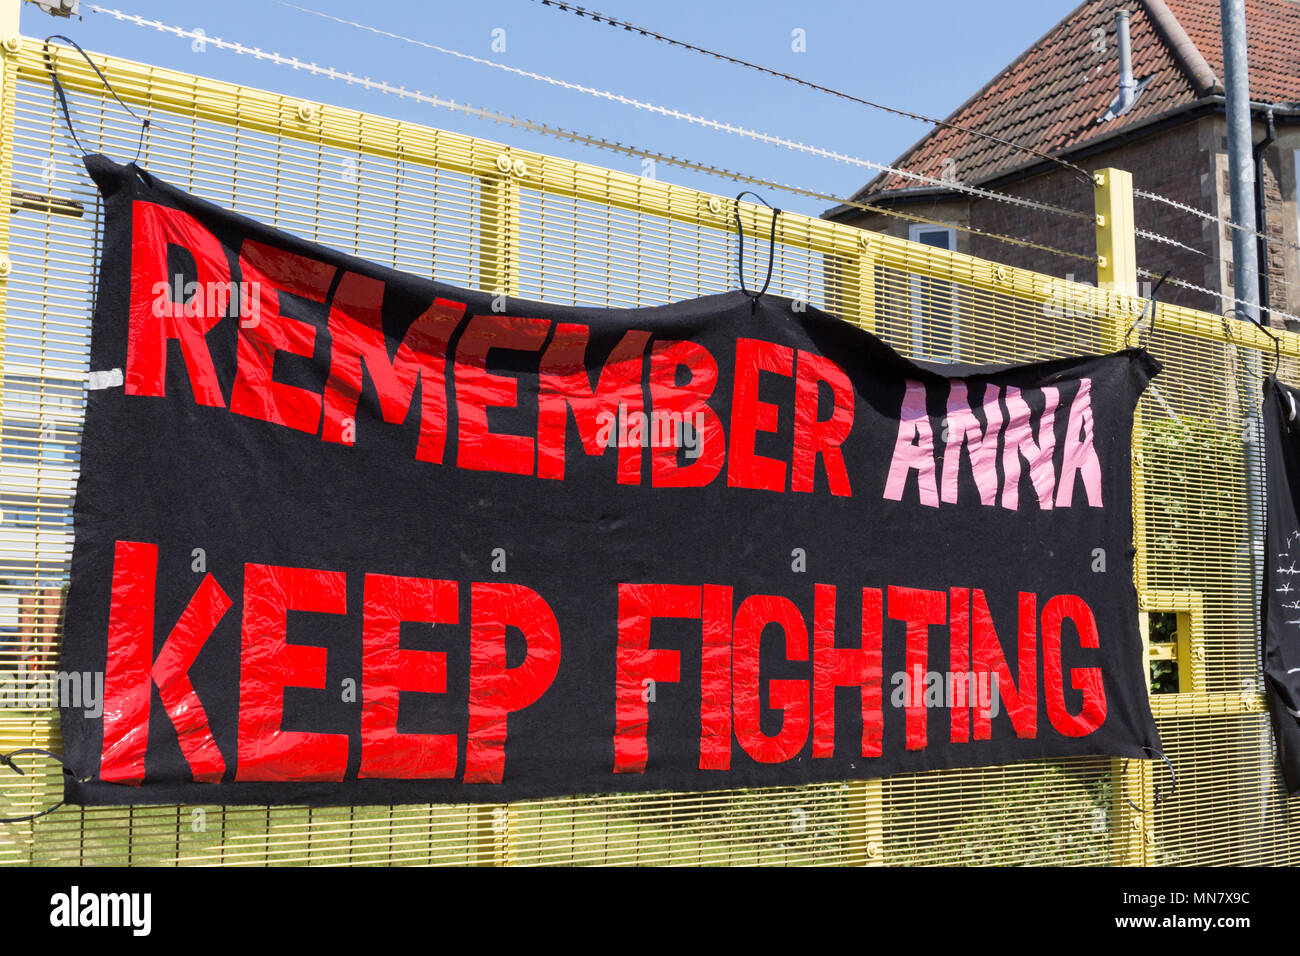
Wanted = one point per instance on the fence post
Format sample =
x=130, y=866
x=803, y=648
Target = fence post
x=866, y=823
x=498, y=218
x=10, y=42
x=858, y=284
x=1116, y=238
x=499, y=230
x=1131, y=780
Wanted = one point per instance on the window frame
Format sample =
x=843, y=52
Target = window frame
x=915, y=307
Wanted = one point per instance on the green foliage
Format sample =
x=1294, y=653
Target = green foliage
x=1058, y=816
x=1163, y=630
x=1193, y=495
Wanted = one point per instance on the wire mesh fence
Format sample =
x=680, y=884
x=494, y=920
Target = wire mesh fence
x=474, y=213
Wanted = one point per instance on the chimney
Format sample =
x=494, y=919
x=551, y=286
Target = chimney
x=1129, y=88
x=1127, y=85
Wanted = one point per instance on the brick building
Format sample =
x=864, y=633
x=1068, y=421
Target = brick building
x=1062, y=97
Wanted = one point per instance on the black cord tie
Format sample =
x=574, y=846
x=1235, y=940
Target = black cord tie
x=1173, y=786
x=63, y=99
x=8, y=761
x=771, y=250
x=1277, y=342
x=1151, y=304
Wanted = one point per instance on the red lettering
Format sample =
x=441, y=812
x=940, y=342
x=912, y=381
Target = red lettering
x=256, y=394
x=388, y=670
x=269, y=664
x=920, y=609
x=639, y=667
x=495, y=690
x=1087, y=680
x=715, y=680
x=846, y=667
x=477, y=390
x=128, y=672
x=788, y=696
x=357, y=339
x=565, y=385
x=1020, y=700
x=813, y=436
x=171, y=674
x=750, y=416
x=689, y=404
x=150, y=323
x=959, y=665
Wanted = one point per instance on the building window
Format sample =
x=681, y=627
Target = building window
x=935, y=319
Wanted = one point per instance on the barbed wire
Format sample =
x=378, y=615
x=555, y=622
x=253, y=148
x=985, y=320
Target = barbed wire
x=1224, y=297
x=695, y=119
x=1210, y=217
x=642, y=153
x=597, y=17
x=799, y=81
x=1166, y=240
x=565, y=134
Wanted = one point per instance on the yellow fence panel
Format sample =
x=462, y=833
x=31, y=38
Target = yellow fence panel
x=471, y=212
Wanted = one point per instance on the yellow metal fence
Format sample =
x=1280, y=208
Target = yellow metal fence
x=475, y=213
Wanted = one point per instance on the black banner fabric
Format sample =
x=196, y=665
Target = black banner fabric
x=1280, y=602
x=346, y=535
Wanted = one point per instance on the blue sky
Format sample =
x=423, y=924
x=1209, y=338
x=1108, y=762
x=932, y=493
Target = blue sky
x=926, y=56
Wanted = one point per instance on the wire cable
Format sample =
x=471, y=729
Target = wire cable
x=731, y=128
x=1183, y=283
x=1166, y=240
x=908, y=114
x=8, y=761
x=564, y=134
x=1210, y=217
x=63, y=99
x=596, y=17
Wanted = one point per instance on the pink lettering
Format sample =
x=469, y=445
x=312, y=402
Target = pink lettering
x=914, y=450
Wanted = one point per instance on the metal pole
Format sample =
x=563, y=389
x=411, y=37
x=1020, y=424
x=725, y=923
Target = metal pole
x=1245, y=274
x=1245, y=263
x=1241, y=165
x=1261, y=214
x=1127, y=84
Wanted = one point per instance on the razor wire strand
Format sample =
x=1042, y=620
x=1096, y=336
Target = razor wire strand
x=697, y=120
x=1222, y=296
x=573, y=136
x=1156, y=197
x=564, y=134
x=597, y=17
x=1166, y=240
x=808, y=84
x=1211, y=217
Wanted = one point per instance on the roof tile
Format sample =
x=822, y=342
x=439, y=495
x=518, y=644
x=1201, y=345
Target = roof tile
x=1052, y=96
